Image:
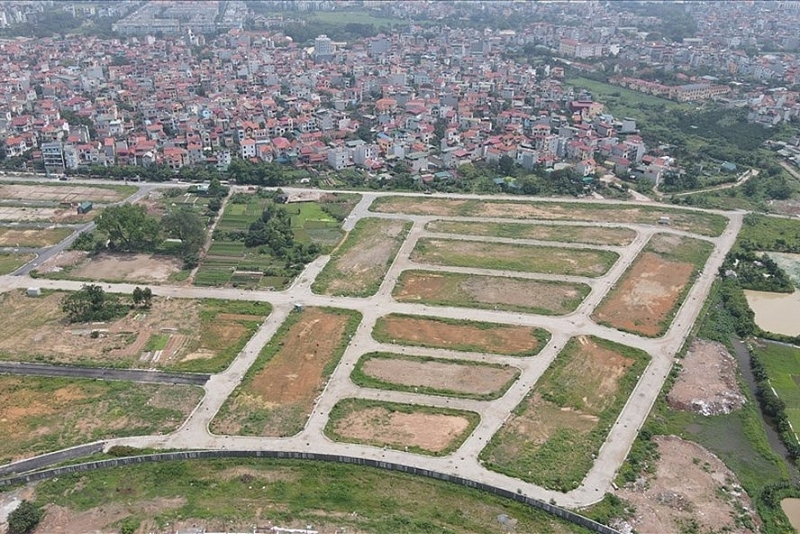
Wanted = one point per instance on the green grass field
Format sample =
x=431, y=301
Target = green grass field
x=783, y=367
x=11, y=262
x=591, y=235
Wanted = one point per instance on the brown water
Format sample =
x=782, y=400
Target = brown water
x=776, y=312
x=791, y=507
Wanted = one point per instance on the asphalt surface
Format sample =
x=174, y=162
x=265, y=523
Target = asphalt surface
x=464, y=462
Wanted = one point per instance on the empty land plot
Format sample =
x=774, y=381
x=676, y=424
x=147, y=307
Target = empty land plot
x=33, y=237
x=690, y=220
x=467, y=336
x=434, y=376
x=552, y=436
x=506, y=257
x=11, y=262
x=278, y=391
x=144, y=268
x=591, y=235
x=41, y=415
x=647, y=296
x=497, y=292
x=360, y=263
x=202, y=336
x=420, y=429
x=65, y=193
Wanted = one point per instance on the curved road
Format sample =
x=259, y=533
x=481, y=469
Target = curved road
x=464, y=462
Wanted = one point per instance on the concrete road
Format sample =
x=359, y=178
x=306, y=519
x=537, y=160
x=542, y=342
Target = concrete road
x=463, y=462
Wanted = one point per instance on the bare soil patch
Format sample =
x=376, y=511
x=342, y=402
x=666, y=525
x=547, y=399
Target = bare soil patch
x=503, y=256
x=430, y=375
x=277, y=399
x=67, y=258
x=40, y=415
x=61, y=520
x=690, y=489
x=707, y=381
x=32, y=237
x=145, y=268
x=57, y=193
x=411, y=428
x=591, y=235
x=647, y=294
x=498, y=292
x=359, y=265
x=460, y=335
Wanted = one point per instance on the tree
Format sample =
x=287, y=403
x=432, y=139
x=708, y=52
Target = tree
x=137, y=296
x=187, y=226
x=506, y=165
x=147, y=297
x=25, y=518
x=91, y=303
x=129, y=228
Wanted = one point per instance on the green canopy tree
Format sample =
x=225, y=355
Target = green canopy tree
x=187, y=226
x=129, y=228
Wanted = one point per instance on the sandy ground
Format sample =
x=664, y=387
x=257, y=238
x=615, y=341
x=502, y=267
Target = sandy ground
x=58, y=193
x=646, y=295
x=32, y=237
x=502, y=291
x=707, y=381
x=690, y=491
x=572, y=234
x=128, y=267
x=431, y=432
x=447, y=376
x=501, y=339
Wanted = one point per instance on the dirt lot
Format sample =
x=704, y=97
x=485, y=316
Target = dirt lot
x=703, y=223
x=707, y=381
x=691, y=491
x=645, y=296
x=283, y=391
x=103, y=518
x=432, y=432
x=40, y=415
x=145, y=268
x=59, y=193
x=502, y=256
x=498, y=292
x=361, y=262
x=464, y=336
x=32, y=237
x=440, y=375
x=592, y=235
x=33, y=329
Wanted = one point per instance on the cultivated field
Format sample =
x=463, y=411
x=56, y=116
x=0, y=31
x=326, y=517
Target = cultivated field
x=469, y=336
x=112, y=267
x=32, y=237
x=358, y=266
x=591, y=235
x=10, y=262
x=174, y=334
x=647, y=296
x=40, y=415
x=691, y=221
x=506, y=257
x=553, y=435
x=782, y=364
x=420, y=429
x=455, y=378
x=279, y=390
x=66, y=193
x=491, y=292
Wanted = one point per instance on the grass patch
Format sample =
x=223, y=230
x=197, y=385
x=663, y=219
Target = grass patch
x=506, y=257
x=696, y=221
x=278, y=391
x=591, y=235
x=156, y=342
x=33, y=237
x=418, y=429
x=359, y=265
x=329, y=496
x=554, y=434
x=782, y=363
x=435, y=376
x=489, y=292
x=760, y=232
x=454, y=334
x=11, y=262
x=43, y=414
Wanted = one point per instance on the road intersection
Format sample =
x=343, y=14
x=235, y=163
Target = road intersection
x=464, y=462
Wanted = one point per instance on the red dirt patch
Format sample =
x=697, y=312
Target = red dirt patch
x=690, y=486
x=707, y=381
x=646, y=295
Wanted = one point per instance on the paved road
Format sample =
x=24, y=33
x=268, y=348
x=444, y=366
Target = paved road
x=132, y=375
x=463, y=462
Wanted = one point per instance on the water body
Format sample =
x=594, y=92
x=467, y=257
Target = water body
x=791, y=507
x=776, y=312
